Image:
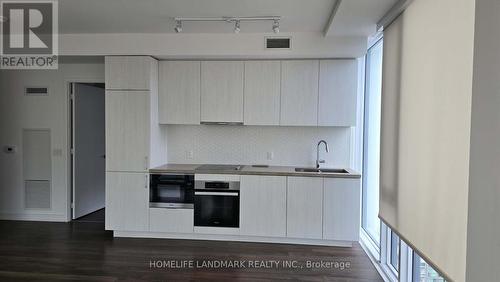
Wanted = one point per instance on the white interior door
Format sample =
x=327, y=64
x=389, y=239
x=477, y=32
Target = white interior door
x=88, y=149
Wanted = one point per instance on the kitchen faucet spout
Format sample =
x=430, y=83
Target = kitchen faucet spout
x=318, y=161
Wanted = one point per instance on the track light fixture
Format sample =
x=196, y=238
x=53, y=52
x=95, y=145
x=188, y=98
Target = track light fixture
x=237, y=26
x=178, y=26
x=276, y=26
x=236, y=20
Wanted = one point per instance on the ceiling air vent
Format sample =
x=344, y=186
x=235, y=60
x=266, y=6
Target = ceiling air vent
x=278, y=43
x=36, y=91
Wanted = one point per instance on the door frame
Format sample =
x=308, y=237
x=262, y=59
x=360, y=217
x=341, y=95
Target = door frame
x=68, y=83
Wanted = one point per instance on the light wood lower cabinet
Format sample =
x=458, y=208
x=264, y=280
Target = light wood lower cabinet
x=341, y=209
x=305, y=207
x=270, y=206
x=171, y=220
x=127, y=201
x=263, y=206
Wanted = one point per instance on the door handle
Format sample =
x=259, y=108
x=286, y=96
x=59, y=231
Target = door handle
x=216, y=194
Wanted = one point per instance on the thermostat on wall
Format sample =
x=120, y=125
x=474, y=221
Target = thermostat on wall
x=10, y=149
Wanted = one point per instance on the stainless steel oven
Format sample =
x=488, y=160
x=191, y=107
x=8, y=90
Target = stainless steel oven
x=171, y=190
x=217, y=204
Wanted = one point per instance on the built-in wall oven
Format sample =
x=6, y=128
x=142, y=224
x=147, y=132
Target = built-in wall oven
x=217, y=204
x=171, y=191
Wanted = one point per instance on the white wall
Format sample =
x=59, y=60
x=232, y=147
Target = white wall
x=51, y=112
x=207, y=46
x=426, y=118
x=294, y=146
x=483, y=246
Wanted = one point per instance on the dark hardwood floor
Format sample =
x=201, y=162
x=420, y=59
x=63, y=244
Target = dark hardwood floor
x=83, y=251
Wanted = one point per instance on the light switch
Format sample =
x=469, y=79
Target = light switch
x=189, y=155
x=270, y=156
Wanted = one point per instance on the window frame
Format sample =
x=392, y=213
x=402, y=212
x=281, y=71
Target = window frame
x=385, y=251
x=375, y=245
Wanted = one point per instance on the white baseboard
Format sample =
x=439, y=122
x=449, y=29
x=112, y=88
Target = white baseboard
x=236, y=238
x=34, y=217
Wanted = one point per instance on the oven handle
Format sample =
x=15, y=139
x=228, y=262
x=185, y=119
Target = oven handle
x=216, y=194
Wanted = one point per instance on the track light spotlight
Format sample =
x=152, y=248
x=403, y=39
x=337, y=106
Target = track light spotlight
x=237, y=26
x=276, y=26
x=178, y=26
x=236, y=20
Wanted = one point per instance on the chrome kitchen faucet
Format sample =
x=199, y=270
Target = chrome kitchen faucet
x=318, y=161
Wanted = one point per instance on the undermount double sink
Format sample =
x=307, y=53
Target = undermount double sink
x=320, y=170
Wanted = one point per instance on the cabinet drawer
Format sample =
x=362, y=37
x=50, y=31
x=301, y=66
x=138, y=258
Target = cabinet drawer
x=171, y=220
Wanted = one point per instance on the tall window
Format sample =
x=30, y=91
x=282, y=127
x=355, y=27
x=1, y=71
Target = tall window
x=397, y=260
x=371, y=142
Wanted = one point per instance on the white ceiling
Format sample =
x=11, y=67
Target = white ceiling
x=359, y=17
x=353, y=18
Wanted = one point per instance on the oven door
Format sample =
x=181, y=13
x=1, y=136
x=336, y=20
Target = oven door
x=217, y=208
x=171, y=191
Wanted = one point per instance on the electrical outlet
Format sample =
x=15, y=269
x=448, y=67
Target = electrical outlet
x=189, y=155
x=270, y=156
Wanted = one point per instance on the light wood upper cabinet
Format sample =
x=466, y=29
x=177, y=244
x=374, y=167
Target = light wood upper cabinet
x=341, y=209
x=299, y=92
x=130, y=72
x=338, y=84
x=263, y=206
x=127, y=201
x=179, y=92
x=262, y=92
x=222, y=91
x=127, y=130
x=305, y=207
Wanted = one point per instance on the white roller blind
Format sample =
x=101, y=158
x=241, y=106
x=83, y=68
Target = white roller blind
x=425, y=133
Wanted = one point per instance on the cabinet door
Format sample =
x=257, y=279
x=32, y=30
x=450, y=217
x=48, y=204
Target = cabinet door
x=299, y=92
x=263, y=206
x=305, y=207
x=262, y=92
x=127, y=201
x=222, y=91
x=179, y=101
x=171, y=220
x=338, y=91
x=129, y=72
x=341, y=212
x=127, y=130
